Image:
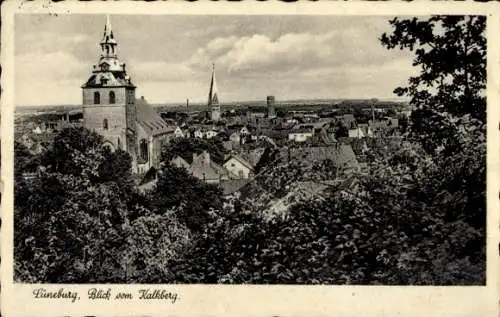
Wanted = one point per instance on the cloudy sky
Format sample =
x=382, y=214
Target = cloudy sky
x=169, y=57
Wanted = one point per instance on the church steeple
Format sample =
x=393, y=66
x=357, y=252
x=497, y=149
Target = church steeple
x=109, y=71
x=109, y=105
x=108, y=42
x=213, y=98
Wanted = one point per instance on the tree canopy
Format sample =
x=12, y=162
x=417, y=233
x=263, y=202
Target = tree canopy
x=451, y=54
x=186, y=147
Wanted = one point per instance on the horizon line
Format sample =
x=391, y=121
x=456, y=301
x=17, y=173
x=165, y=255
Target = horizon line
x=231, y=102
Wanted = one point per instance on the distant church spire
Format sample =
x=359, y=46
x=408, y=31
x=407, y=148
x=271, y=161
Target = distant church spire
x=213, y=98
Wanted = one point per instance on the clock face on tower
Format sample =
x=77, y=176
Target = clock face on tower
x=104, y=67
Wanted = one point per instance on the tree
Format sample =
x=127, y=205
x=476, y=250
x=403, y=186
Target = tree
x=451, y=54
x=72, y=147
x=25, y=162
x=341, y=131
x=194, y=199
x=68, y=220
x=152, y=243
x=437, y=204
x=117, y=167
x=186, y=147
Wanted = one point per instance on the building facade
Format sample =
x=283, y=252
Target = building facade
x=111, y=109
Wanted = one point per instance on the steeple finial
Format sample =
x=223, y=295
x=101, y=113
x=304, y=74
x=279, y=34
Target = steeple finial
x=108, y=31
x=108, y=23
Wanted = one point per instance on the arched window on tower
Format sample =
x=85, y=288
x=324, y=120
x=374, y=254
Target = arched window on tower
x=143, y=148
x=119, y=144
x=112, y=98
x=97, y=98
x=105, y=124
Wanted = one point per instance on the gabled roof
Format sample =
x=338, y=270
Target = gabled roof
x=180, y=162
x=208, y=171
x=150, y=120
x=341, y=155
x=241, y=160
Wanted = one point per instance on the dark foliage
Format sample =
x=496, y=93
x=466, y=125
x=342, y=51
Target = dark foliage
x=186, y=147
x=451, y=54
x=25, y=162
x=192, y=198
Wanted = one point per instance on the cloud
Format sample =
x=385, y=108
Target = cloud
x=221, y=44
x=259, y=52
x=48, y=42
x=290, y=57
x=48, y=77
x=262, y=55
x=51, y=67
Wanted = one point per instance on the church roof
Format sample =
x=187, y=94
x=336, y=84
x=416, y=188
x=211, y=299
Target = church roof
x=150, y=120
x=109, y=79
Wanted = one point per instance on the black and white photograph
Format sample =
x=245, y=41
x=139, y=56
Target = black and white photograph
x=250, y=149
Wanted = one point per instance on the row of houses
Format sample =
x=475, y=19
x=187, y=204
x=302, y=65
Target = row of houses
x=231, y=175
x=204, y=168
x=304, y=132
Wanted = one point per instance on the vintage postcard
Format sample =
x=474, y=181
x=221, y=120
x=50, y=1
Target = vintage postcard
x=250, y=159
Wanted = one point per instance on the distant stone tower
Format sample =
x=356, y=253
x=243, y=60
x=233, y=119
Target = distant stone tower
x=213, y=98
x=271, y=111
x=109, y=106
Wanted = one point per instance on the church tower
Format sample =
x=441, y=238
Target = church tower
x=213, y=98
x=109, y=106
